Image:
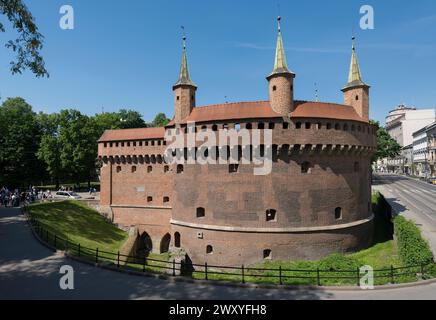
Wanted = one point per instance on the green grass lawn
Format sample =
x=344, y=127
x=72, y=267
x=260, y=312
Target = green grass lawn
x=78, y=223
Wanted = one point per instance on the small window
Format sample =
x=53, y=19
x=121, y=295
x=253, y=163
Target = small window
x=248, y=126
x=233, y=168
x=318, y=126
x=267, y=254
x=110, y=144
x=166, y=169
x=105, y=145
x=357, y=98
x=307, y=125
x=133, y=169
x=118, y=168
x=178, y=98
x=200, y=212
x=209, y=249
x=152, y=142
x=159, y=142
x=298, y=125
x=271, y=125
x=338, y=213
x=128, y=144
x=122, y=144
x=271, y=215
x=260, y=125
x=134, y=143
x=285, y=125
x=356, y=167
x=203, y=128
x=237, y=126
x=328, y=126
x=214, y=127
x=192, y=97
x=149, y=169
x=337, y=126
x=180, y=168
x=274, y=88
x=116, y=144
x=146, y=143
x=166, y=199
x=306, y=167
x=292, y=87
x=149, y=199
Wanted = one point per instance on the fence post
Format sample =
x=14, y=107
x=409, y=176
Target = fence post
x=280, y=275
x=79, y=250
x=174, y=267
x=357, y=276
x=96, y=255
x=318, y=280
x=205, y=270
x=392, y=274
x=118, y=259
x=243, y=279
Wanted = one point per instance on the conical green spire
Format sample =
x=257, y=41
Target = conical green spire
x=184, y=73
x=280, y=65
x=354, y=76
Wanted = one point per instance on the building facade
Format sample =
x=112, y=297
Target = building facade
x=424, y=151
x=315, y=201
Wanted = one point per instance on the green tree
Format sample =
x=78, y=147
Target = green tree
x=130, y=119
x=160, y=120
x=20, y=135
x=387, y=147
x=29, y=42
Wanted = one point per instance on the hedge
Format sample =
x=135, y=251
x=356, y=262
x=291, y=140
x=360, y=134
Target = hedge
x=412, y=248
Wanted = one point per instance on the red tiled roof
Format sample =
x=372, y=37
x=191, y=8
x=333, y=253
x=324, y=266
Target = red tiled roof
x=262, y=109
x=240, y=111
x=132, y=134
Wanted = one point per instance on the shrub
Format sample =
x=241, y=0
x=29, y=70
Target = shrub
x=412, y=248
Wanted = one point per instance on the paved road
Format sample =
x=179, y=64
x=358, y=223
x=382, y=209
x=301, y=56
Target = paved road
x=28, y=270
x=412, y=198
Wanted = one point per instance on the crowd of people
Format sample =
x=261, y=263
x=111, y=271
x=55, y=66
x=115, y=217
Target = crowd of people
x=17, y=197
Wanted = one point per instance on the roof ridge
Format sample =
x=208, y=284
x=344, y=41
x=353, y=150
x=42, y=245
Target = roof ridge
x=228, y=103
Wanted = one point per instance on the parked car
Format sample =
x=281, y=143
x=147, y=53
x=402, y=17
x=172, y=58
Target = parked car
x=431, y=180
x=67, y=195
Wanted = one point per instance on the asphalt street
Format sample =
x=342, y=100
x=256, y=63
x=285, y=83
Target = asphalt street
x=28, y=270
x=412, y=198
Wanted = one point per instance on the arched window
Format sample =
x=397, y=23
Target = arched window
x=307, y=125
x=298, y=125
x=201, y=212
x=260, y=125
x=214, y=127
x=180, y=168
x=233, y=168
x=166, y=169
x=209, y=249
x=203, y=128
x=149, y=199
x=267, y=254
x=338, y=213
x=271, y=215
x=248, y=126
x=274, y=88
x=149, y=169
x=177, y=240
x=118, y=168
x=133, y=169
x=306, y=167
x=357, y=97
x=166, y=199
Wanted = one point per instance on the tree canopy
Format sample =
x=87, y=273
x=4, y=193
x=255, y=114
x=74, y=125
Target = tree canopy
x=28, y=44
x=387, y=147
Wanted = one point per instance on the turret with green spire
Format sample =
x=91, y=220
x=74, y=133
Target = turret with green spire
x=184, y=90
x=281, y=80
x=356, y=92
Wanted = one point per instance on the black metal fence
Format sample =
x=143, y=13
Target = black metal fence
x=282, y=276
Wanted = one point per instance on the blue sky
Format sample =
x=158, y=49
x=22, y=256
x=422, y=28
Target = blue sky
x=127, y=53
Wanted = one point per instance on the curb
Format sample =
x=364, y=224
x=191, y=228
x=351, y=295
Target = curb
x=174, y=279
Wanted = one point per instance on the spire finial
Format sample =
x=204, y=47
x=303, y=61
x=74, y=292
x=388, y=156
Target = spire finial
x=183, y=37
x=278, y=23
x=280, y=66
x=354, y=76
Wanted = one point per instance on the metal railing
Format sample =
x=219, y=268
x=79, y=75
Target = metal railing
x=280, y=275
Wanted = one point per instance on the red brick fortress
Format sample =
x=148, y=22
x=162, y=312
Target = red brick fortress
x=315, y=201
